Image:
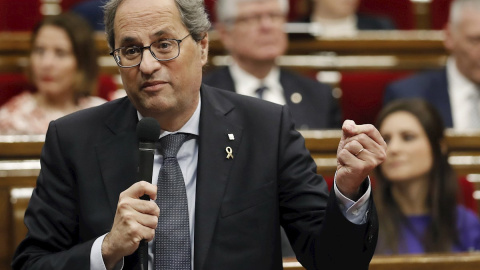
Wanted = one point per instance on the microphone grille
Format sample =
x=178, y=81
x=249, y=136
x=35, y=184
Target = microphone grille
x=148, y=130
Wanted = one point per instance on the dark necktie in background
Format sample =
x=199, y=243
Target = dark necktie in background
x=172, y=236
x=260, y=91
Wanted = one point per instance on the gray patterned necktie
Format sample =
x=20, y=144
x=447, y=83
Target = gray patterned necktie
x=172, y=236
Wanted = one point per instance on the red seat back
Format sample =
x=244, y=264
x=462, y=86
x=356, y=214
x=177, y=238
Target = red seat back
x=12, y=84
x=19, y=15
x=362, y=93
x=466, y=189
x=400, y=11
x=439, y=10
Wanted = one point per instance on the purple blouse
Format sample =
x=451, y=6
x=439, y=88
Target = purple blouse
x=468, y=225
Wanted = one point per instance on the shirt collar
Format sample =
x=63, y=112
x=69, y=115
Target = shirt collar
x=456, y=77
x=246, y=84
x=191, y=127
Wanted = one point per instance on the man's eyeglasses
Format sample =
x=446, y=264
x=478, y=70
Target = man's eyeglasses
x=162, y=50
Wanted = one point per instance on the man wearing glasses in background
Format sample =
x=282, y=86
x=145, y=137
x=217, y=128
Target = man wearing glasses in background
x=244, y=168
x=253, y=34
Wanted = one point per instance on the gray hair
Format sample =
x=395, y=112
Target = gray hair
x=192, y=13
x=457, y=7
x=226, y=10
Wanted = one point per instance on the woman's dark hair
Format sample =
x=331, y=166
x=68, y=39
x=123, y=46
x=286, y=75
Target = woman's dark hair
x=82, y=38
x=441, y=201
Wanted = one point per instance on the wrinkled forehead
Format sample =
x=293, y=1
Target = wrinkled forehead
x=147, y=19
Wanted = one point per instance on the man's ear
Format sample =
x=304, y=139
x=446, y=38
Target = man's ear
x=448, y=39
x=204, y=49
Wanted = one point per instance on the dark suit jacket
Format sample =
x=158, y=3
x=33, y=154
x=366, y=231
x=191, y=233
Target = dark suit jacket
x=369, y=22
x=431, y=86
x=90, y=157
x=91, y=11
x=317, y=110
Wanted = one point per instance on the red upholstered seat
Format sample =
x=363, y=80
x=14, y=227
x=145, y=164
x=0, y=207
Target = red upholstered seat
x=466, y=189
x=106, y=87
x=12, y=84
x=362, y=93
x=67, y=4
x=400, y=11
x=19, y=15
x=439, y=10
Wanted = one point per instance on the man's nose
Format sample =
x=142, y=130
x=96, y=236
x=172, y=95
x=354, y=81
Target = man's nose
x=149, y=64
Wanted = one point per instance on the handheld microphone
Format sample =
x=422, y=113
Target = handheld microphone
x=148, y=131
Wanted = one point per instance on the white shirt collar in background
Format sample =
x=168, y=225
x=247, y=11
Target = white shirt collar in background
x=246, y=84
x=461, y=90
x=346, y=27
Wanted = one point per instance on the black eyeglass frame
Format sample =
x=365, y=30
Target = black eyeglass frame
x=112, y=53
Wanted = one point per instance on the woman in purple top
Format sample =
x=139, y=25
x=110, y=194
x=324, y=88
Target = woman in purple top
x=416, y=188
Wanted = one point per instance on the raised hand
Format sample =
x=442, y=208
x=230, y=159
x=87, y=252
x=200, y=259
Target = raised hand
x=360, y=150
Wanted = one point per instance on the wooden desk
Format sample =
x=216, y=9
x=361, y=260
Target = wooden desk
x=15, y=177
x=406, y=50
x=464, y=149
x=19, y=168
x=447, y=261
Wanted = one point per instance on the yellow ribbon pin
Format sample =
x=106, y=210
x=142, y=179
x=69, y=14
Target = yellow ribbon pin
x=229, y=152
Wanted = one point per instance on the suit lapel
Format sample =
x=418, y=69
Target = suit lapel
x=213, y=166
x=443, y=98
x=118, y=155
x=288, y=86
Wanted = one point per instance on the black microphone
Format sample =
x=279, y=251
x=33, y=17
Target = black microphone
x=148, y=131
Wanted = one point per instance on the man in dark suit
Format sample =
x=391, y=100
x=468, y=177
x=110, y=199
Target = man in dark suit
x=453, y=90
x=254, y=40
x=245, y=167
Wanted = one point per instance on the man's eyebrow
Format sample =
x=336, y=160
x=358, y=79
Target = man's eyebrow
x=127, y=40
x=159, y=33
x=130, y=39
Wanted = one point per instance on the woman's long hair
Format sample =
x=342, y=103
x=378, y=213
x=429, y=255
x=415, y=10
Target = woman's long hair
x=441, y=201
x=82, y=38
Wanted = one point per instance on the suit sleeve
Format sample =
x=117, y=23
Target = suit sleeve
x=52, y=241
x=321, y=236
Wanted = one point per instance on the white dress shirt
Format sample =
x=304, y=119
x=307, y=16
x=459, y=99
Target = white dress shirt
x=246, y=84
x=355, y=212
x=346, y=27
x=464, y=99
